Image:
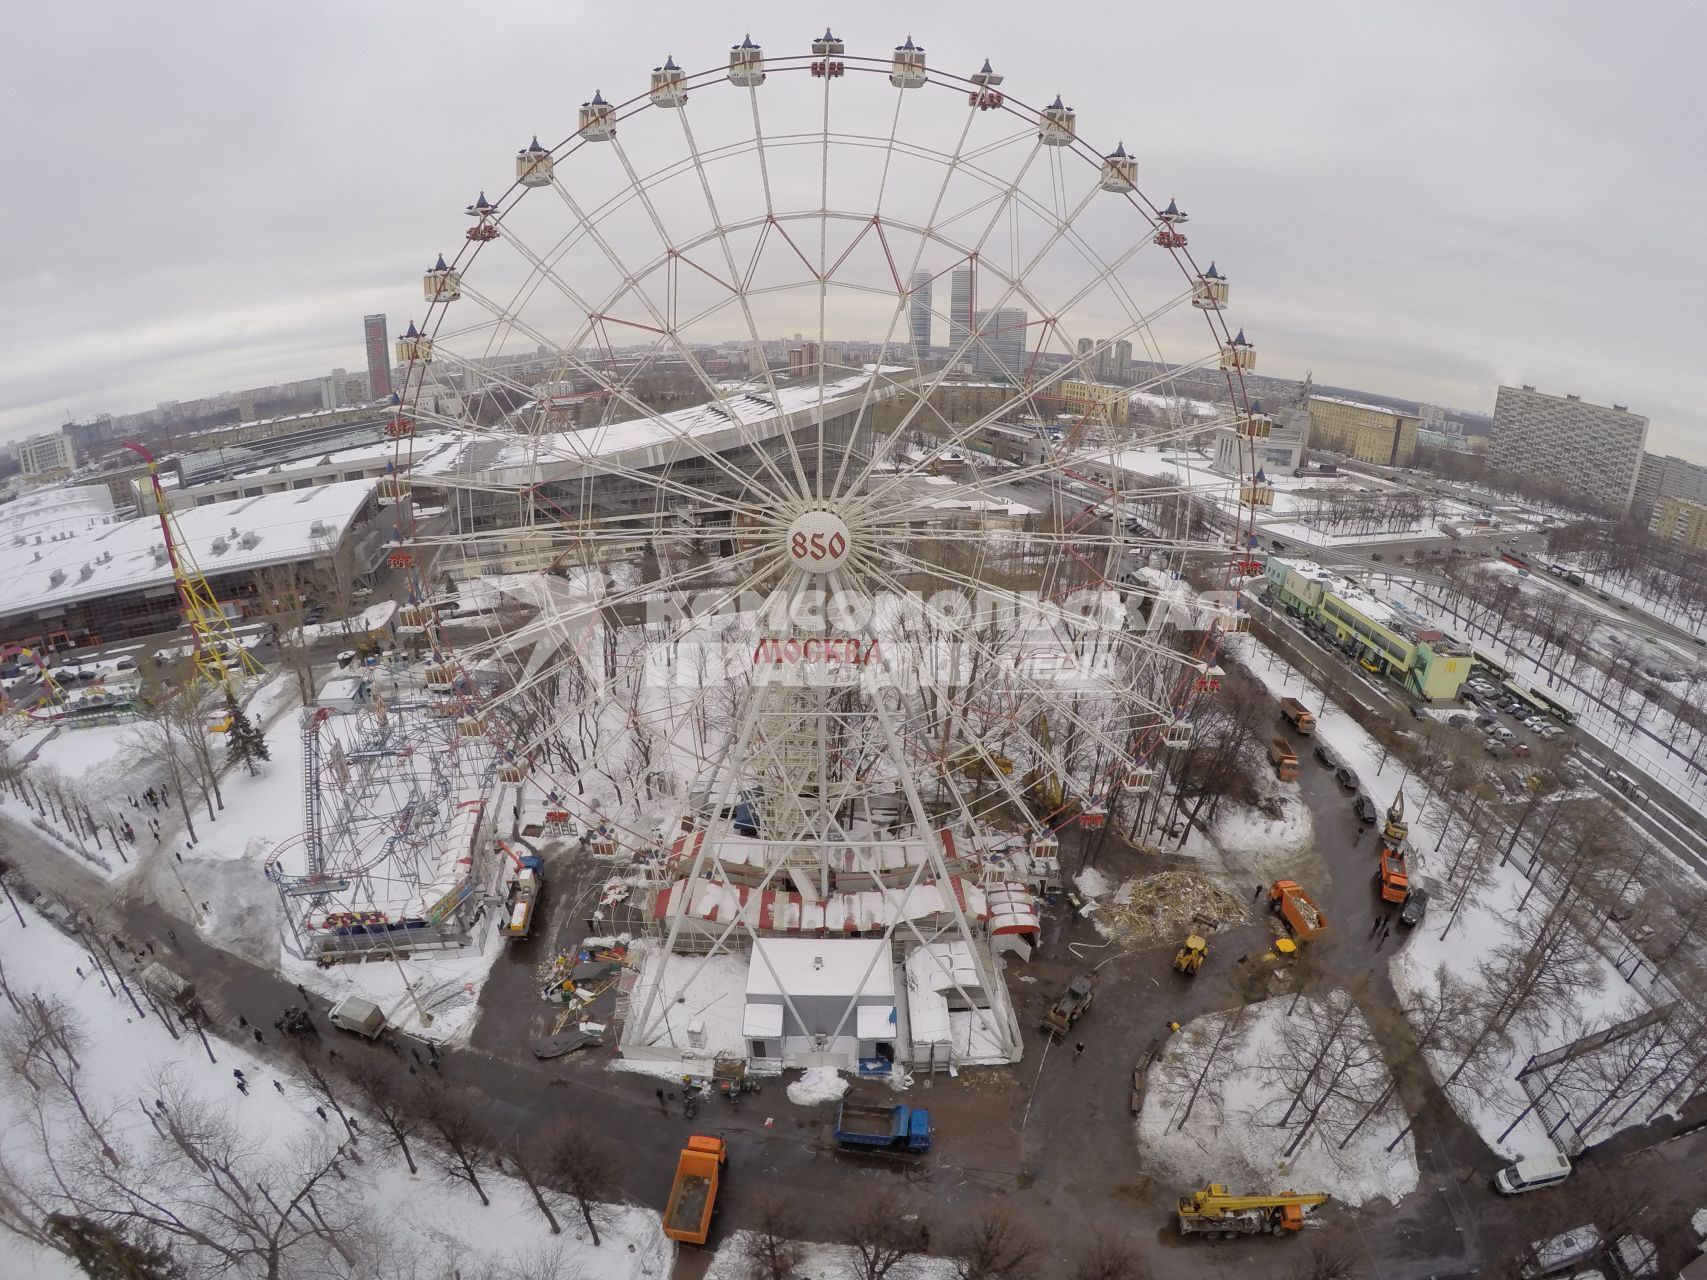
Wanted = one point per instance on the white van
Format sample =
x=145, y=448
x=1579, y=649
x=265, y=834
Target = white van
x=1532, y=1174
x=363, y=1017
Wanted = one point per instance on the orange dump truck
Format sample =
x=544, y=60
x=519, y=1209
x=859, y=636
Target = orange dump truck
x=693, y=1195
x=1284, y=760
x=1301, y=717
x=1288, y=900
x=1392, y=878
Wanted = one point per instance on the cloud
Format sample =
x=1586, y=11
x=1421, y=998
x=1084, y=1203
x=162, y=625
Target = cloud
x=1415, y=201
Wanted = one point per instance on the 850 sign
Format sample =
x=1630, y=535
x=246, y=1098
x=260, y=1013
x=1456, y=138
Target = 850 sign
x=817, y=541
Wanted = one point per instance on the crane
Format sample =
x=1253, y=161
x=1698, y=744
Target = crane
x=1212, y=1211
x=213, y=645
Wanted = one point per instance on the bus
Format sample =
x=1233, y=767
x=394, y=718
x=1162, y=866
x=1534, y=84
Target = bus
x=1555, y=708
x=1496, y=670
x=1527, y=698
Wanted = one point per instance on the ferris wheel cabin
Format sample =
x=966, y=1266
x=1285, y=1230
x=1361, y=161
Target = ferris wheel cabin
x=746, y=64
x=1169, y=235
x=442, y=282
x=984, y=95
x=907, y=67
x=534, y=165
x=596, y=121
x=1059, y=124
x=1209, y=290
x=483, y=211
x=667, y=90
x=414, y=346
x=1119, y=170
x=1238, y=354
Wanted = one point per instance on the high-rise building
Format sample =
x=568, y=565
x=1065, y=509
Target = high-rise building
x=1087, y=369
x=1120, y=362
x=1591, y=452
x=378, y=357
x=919, y=312
x=1663, y=476
x=1682, y=521
x=46, y=454
x=1367, y=432
x=1000, y=349
x=959, y=307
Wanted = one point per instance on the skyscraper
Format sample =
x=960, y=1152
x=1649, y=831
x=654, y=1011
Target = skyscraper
x=1120, y=362
x=920, y=312
x=1000, y=350
x=1589, y=451
x=959, y=307
x=378, y=357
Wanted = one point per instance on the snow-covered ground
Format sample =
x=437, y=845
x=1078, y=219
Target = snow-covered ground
x=1245, y=1067
x=441, y=1224
x=1486, y=922
x=821, y=1262
x=708, y=990
x=1486, y=919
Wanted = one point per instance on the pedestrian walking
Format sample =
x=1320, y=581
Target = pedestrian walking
x=258, y=1035
x=172, y=935
x=279, y=1087
x=243, y=1087
x=242, y=1021
x=300, y=989
x=331, y=1053
x=416, y=1052
x=661, y=1105
x=321, y=1112
x=150, y=948
x=156, y=837
x=236, y=1073
x=79, y=971
x=1257, y=894
x=177, y=855
x=204, y=906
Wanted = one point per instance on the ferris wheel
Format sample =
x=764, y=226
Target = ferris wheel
x=795, y=481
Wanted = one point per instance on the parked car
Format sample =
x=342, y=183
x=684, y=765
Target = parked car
x=1497, y=749
x=1485, y=721
x=1347, y=777
x=1458, y=721
x=1326, y=755
x=1502, y=733
x=1520, y=749
x=1535, y=724
x=1365, y=809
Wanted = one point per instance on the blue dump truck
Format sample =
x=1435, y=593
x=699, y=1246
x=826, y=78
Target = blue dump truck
x=880, y=1127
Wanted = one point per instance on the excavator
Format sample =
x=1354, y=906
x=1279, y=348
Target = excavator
x=1396, y=831
x=1189, y=958
x=1213, y=1212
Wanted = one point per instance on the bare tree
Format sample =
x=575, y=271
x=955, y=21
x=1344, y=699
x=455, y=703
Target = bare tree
x=770, y=1246
x=1109, y=1257
x=994, y=1246
x=1326, y=1260
x=521, y=1153
x=398, y=1113
x=876, y=1235
x=40, y=1046
x=578, y=1159
x=462, y=1137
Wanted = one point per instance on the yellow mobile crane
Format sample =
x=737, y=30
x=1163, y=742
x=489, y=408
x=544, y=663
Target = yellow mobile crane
x=1041, y=780
x=1213, y=1212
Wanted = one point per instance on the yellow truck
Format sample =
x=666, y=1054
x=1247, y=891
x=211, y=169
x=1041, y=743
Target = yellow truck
x=693, y=1195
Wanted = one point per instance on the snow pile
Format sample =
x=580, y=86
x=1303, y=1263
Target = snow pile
x=1092, y=883
x=1285, y=1093
x=817, y=1085
x=123, y=1057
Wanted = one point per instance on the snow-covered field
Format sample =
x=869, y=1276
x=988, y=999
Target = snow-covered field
x=821, y=1262
x=1245, y=1068
x=441, y=1225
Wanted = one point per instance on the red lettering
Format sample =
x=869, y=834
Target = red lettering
x=817, y=546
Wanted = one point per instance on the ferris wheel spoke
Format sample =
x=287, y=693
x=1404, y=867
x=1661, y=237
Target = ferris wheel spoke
x=632, y=285
x=736, y=274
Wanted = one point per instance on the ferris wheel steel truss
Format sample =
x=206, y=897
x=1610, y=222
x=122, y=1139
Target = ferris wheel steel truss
x=800, y=480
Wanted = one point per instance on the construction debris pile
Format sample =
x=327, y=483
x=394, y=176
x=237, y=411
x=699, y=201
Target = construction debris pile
x=1166, y=905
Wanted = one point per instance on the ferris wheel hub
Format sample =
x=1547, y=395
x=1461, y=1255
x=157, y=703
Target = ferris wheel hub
x=817, y=541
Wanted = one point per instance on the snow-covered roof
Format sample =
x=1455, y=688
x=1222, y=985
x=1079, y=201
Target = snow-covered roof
x=53, y=511
x=288, y=526
x=736, y=419
x=1387, y=409
x=821, y=967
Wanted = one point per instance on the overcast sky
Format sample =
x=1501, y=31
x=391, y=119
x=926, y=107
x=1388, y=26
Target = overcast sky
x=1422, y=199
